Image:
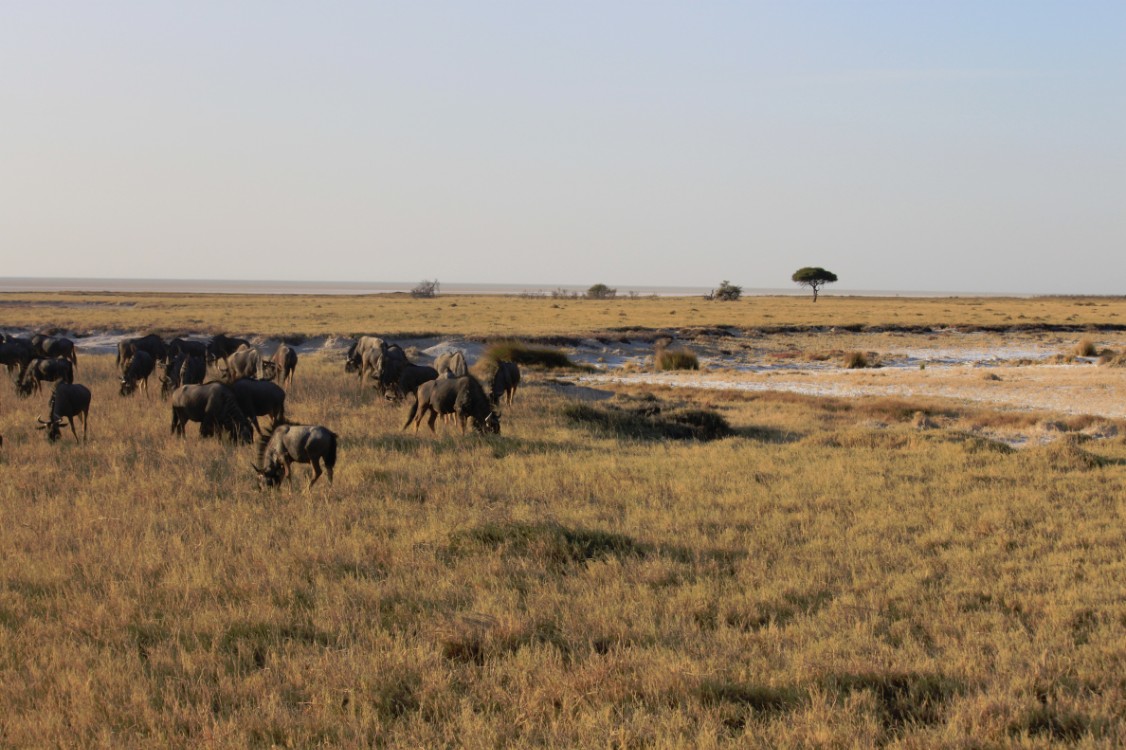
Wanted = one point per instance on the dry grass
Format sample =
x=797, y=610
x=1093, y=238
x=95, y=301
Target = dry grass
x=828, y=576
x=1086, y=348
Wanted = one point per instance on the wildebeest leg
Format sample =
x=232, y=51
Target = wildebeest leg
x=74, y=431
x=432, y=420
x=85, y=416
x=316, y=473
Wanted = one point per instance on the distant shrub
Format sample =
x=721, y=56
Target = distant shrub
x=523, y=354
x=725, y=292
x=677, y=359
x=1086, y=348
x=1113, y=359
x=425, y=289
x=857, y=361
x=648, y=423
x=601, y=291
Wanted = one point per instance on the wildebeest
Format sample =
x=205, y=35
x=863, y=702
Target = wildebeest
x=244, y=363
x=384, y=365
x=151, y=344
x=68, y=400
x=55, y=369
x=215, y=407
x=179, y=346
x=260, y=398
x=285, y=363
x=284, y=444
x=462, y=397
x=505, y=380
x=141, y=366
x=451, y=364
x=413, y=376
x=16, y=354
x=182, y=369
x=354, y=359
x=47, y=347
x=223, y=346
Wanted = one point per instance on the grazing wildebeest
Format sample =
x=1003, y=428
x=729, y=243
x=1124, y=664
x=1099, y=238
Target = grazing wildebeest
x=462, y=397
x=214, y=406
x=151, y=344
x=413, y=376
x=56, y=369
x=284, y=444
x=47, y=347
x=245, y=363
x=354, y=359
x=68, y=400
x=141, y=366
x=223, y=346
x=260, y=398
x=505, y=380
x=385, y=365
x=451, y=364
x=285, y=362
x=16, y=354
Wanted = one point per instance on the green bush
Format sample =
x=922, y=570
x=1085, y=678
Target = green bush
x=677, y=359
x=523, y=354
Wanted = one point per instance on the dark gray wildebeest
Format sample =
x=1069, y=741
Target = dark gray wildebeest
x=215, y=407
x=182, y=369
x=245, y=363
x=40, y=370
x=178, y=346
x=47, y=347
x=140, y=367
x=413, y=376
x=15, y=354
x=451, y=364
x=285, y=444
x=505, y=380
x=260, y=398
x=464, y=398
x=151, y=344
x=223, y=346
x=284, y=364
x=384, y=366
x=68, y=400
x=354, y=359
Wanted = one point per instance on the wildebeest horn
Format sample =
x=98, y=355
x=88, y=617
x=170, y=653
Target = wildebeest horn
x=40, y=420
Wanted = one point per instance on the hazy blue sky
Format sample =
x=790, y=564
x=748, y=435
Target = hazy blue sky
x=954, y=146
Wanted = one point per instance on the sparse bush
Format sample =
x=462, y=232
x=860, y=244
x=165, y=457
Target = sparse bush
x=425, y=289
x=725, y=292
x=1113, y=359
x=1086, y=348
x=857, y=361
x=523, y=354
x=677, y=359
x=601, y=291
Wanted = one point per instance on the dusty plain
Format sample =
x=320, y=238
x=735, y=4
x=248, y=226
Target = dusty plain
x=929, y=553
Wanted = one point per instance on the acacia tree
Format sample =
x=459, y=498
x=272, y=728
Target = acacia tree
x=814, y=277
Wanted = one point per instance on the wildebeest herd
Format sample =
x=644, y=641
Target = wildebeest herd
x=246, y=385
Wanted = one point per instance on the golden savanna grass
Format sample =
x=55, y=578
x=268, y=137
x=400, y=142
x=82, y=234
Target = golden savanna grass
x=836, y=573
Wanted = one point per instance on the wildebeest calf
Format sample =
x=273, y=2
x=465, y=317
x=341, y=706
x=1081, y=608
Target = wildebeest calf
x=505, y=380
x=284, y=444
x=68, y=400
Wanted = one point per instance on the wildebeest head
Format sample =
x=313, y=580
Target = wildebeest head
x=128, y=386
x=26, y=386
x=490, y=424
x=52, y=428
x=271, y=475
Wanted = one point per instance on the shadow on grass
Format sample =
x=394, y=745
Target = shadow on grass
x=649, y=423
x=904, y=698
x=768, y=435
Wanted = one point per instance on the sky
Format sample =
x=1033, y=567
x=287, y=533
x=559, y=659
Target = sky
x=941, y=145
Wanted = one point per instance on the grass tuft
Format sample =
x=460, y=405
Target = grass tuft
x=524, y=354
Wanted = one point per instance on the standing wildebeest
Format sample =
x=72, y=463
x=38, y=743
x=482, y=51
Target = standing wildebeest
x=462, y=397
x=354, y=359
x=182, y=369
x=179, y=346
x=283, y=444
x=68, y=400
x=16, y=354
x=260, y=398
x=245, y=363
x=47, y=347
x=413, y=376
x=385, y=365
x=214, y=406
x=39, y=370
x=141, y=366
x=451, y=364
x=223, y=346
x=285, y=362
x=505, y=380
x=151, y=344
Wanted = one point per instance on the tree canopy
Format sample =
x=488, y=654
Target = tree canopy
x=726, y=292
x=814, y=277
